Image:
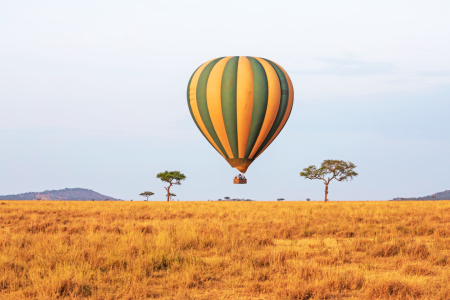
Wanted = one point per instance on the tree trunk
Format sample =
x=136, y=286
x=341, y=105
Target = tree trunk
x=326, y=192
x=168, y=193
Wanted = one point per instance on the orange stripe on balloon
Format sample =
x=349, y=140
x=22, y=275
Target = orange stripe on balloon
x=194, y=105
x=214, y=101
x=244, y=102
x=288, y=109
x=273, y=104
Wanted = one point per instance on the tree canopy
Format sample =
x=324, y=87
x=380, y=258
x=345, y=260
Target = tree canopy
x=146, y=194
x=333, y=169
x=173, y=177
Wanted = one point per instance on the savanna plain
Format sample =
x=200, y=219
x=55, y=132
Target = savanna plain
x=224, y=250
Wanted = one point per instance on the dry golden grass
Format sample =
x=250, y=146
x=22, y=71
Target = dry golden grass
x=224, y=250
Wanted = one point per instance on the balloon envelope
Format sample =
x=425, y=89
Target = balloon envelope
x=240, y=104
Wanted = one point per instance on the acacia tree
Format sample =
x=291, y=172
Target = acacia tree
x=172, y=178
x=337, y=169
x=171, y=195
x=146, y=194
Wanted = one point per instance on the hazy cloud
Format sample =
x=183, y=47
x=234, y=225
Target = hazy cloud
x=349, y=66
x=444, y=73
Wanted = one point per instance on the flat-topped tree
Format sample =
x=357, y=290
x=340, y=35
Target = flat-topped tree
x=146, y=194
x=172, y=178
x=337, y=169
x=171, y=195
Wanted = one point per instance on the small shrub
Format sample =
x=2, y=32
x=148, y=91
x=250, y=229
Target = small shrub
x=386, y=250
x=419, y=251
x=386, y=289
x=416, y=270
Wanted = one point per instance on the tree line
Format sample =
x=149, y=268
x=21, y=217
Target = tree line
x=329, y=169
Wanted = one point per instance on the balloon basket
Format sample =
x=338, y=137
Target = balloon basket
x=239, y=181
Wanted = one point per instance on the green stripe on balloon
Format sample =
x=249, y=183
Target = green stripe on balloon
x=189, y=98
x=189, y=101
x=203, y=105
x=260, y=99
x=228, y=95
x=282, y=108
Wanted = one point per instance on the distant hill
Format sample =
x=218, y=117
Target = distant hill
x=65, y=194
x=445, y=195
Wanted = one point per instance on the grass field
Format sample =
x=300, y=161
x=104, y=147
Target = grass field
x=224, y=250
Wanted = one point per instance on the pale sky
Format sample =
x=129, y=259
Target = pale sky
x=93, y=95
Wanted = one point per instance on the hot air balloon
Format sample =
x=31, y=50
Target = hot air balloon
x=240, y=104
